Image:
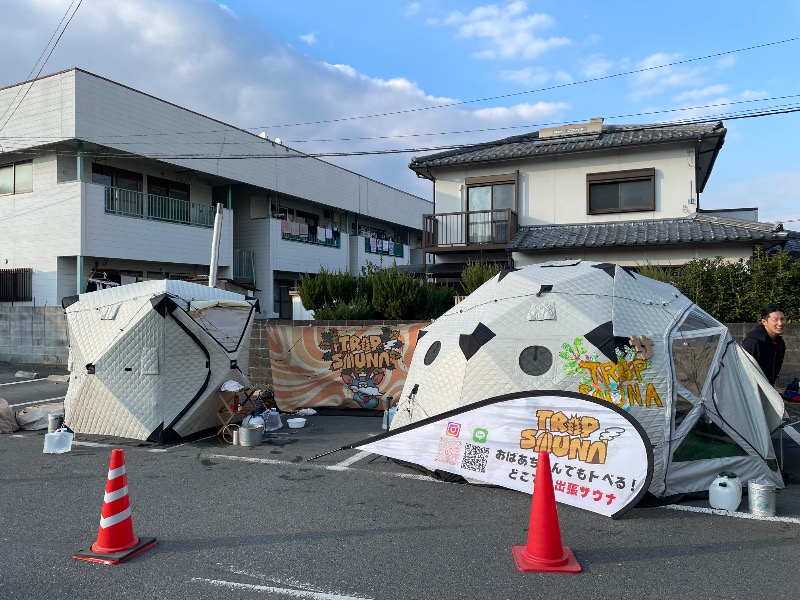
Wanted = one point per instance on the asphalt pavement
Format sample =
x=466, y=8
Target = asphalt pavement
x=248, y=522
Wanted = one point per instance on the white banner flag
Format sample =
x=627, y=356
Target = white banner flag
x=600, y=456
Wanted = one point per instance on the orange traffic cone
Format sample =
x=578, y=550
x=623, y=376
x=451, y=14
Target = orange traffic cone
x=115, y=539
x=544, y=552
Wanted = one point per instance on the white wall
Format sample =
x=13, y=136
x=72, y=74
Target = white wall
x=552, y=189
x=631, y=257
x=47, y=112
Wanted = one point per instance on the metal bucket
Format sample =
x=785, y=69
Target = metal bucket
x=761, y=497
x=54, y=421
x=251, y=436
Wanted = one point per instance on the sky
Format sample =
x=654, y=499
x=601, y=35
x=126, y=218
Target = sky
x=399, y=79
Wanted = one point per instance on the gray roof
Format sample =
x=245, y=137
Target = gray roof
x=697, y=228
x=529, y=144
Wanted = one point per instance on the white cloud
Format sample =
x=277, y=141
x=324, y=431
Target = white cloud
x=412, y=9
x=227, y=9
x=596, y=65
x=659, y=75
x=753, y=95
x=701, y=94
x=508, y=30
x=726, y=62
x=309, y=38
x=540, y=111
x=532, y=77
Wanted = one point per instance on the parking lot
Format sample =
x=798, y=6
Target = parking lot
x=240, y=522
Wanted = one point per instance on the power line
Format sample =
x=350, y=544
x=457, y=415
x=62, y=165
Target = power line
x=748, y=114
x=40, y=58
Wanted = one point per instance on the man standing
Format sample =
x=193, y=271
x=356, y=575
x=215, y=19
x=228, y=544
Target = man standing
x=765, y=344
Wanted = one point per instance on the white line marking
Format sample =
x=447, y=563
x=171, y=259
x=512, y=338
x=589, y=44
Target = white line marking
x=179, y=445
x=306, y=465
x=25, y=381
x=355, y=458
x=728, y=513
x=38, y=401
x=91, y=444
x=276, y=590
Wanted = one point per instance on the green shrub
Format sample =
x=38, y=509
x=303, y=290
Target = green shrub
x=395, y=295
x=476, y=273
x=355, y=310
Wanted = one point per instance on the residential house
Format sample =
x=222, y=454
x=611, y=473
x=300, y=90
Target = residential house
x=102, y=184
x=627, y=194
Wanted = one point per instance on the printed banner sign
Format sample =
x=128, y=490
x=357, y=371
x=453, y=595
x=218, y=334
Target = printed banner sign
x=600, y=456
x=348, y=367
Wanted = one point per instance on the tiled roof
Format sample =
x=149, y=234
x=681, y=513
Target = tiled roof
x=694, y=229
x=529, y=144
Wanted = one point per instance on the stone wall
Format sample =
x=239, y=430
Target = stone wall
x=38, y=335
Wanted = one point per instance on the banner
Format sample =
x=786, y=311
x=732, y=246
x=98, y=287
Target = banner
x=347, y=367
x=600, y=456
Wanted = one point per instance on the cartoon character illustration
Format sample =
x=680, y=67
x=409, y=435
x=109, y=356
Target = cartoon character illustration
x=364, y=385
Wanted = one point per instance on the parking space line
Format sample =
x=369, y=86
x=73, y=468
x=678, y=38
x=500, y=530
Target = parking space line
x=38, y=401
x=307, y=465
x=24, y=381
x=728, y=513
x=297, y=593
x=355, y=458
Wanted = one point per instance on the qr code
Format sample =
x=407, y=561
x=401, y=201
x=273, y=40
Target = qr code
x=475, y=458
x=448, y=451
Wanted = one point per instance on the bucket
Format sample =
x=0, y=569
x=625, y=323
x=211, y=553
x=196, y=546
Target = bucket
x=761, y=497
x=54, y=421
x=250, y=436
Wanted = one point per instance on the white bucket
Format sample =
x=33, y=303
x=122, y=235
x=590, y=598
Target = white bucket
x=761, y=497
x=58, y=442
x=250, y=436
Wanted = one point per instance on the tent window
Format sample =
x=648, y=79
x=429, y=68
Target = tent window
x=693, y=358
x=432, y=353
x=682, y=408
x=225, y=323
x=696, y=321
x=535, y=360
x=706, y=440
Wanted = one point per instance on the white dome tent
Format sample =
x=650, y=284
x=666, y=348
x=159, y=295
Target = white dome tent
x=602, y=330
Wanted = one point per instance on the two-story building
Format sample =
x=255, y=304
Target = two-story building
x=102, y=184
x=627, y=194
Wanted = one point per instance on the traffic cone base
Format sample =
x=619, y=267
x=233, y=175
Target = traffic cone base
x=544, y=552
x=116, y=541
x=530, y=564
x=114, y=558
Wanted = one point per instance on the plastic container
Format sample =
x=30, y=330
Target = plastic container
x=761, y=497
x=273, y=420
x=725, y=492
x=255, y=420
x=296, y=422
x=251, y=436
x=58, y=442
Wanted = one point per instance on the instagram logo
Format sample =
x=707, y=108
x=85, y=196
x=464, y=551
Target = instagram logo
x=453, y=429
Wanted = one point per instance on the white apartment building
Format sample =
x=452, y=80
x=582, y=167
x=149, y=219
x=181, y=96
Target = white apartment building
x=101, y=184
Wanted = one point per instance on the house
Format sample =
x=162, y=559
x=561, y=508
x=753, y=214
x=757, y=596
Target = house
x=102, y=185
x=627, y=194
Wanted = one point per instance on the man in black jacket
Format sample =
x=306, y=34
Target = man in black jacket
x=765, y=344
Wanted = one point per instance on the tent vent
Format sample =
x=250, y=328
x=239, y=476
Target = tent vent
x=545, y=311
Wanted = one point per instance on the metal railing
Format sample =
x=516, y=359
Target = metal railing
x=244, y=266
x=472, y=228
x=383, y=247
x=16, y=285
x=130, y=203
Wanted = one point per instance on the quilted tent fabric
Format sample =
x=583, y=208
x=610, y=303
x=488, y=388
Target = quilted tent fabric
x=608, y=332
x=142, y=368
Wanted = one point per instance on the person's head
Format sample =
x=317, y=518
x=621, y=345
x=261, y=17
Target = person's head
x=773, y=320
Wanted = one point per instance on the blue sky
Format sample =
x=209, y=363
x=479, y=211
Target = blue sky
x=264, y=65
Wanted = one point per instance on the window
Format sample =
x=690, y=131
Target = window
x=116, y=177
x=16, y=178
x=621, y=191
x=167, y=189
x=495, y=194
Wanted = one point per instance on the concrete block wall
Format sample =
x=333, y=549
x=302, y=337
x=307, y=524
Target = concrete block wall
x=33, y=335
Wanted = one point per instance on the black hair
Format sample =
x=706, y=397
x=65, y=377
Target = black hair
x=769, y=309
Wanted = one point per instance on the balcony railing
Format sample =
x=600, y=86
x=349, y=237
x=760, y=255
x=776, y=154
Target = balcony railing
x=384, y=247
x=310, y=238
x=473, y=230
x=129, y=203
x=244, y=266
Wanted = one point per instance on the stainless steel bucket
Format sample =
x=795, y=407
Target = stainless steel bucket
x=761, y=497
x=251, y=436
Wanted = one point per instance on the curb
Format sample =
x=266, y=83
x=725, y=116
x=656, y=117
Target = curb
x=61, y=378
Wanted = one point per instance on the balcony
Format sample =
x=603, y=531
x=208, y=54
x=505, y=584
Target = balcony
x=471, y=231
x=384, y=247
x=129, y=203
x=244, y=266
